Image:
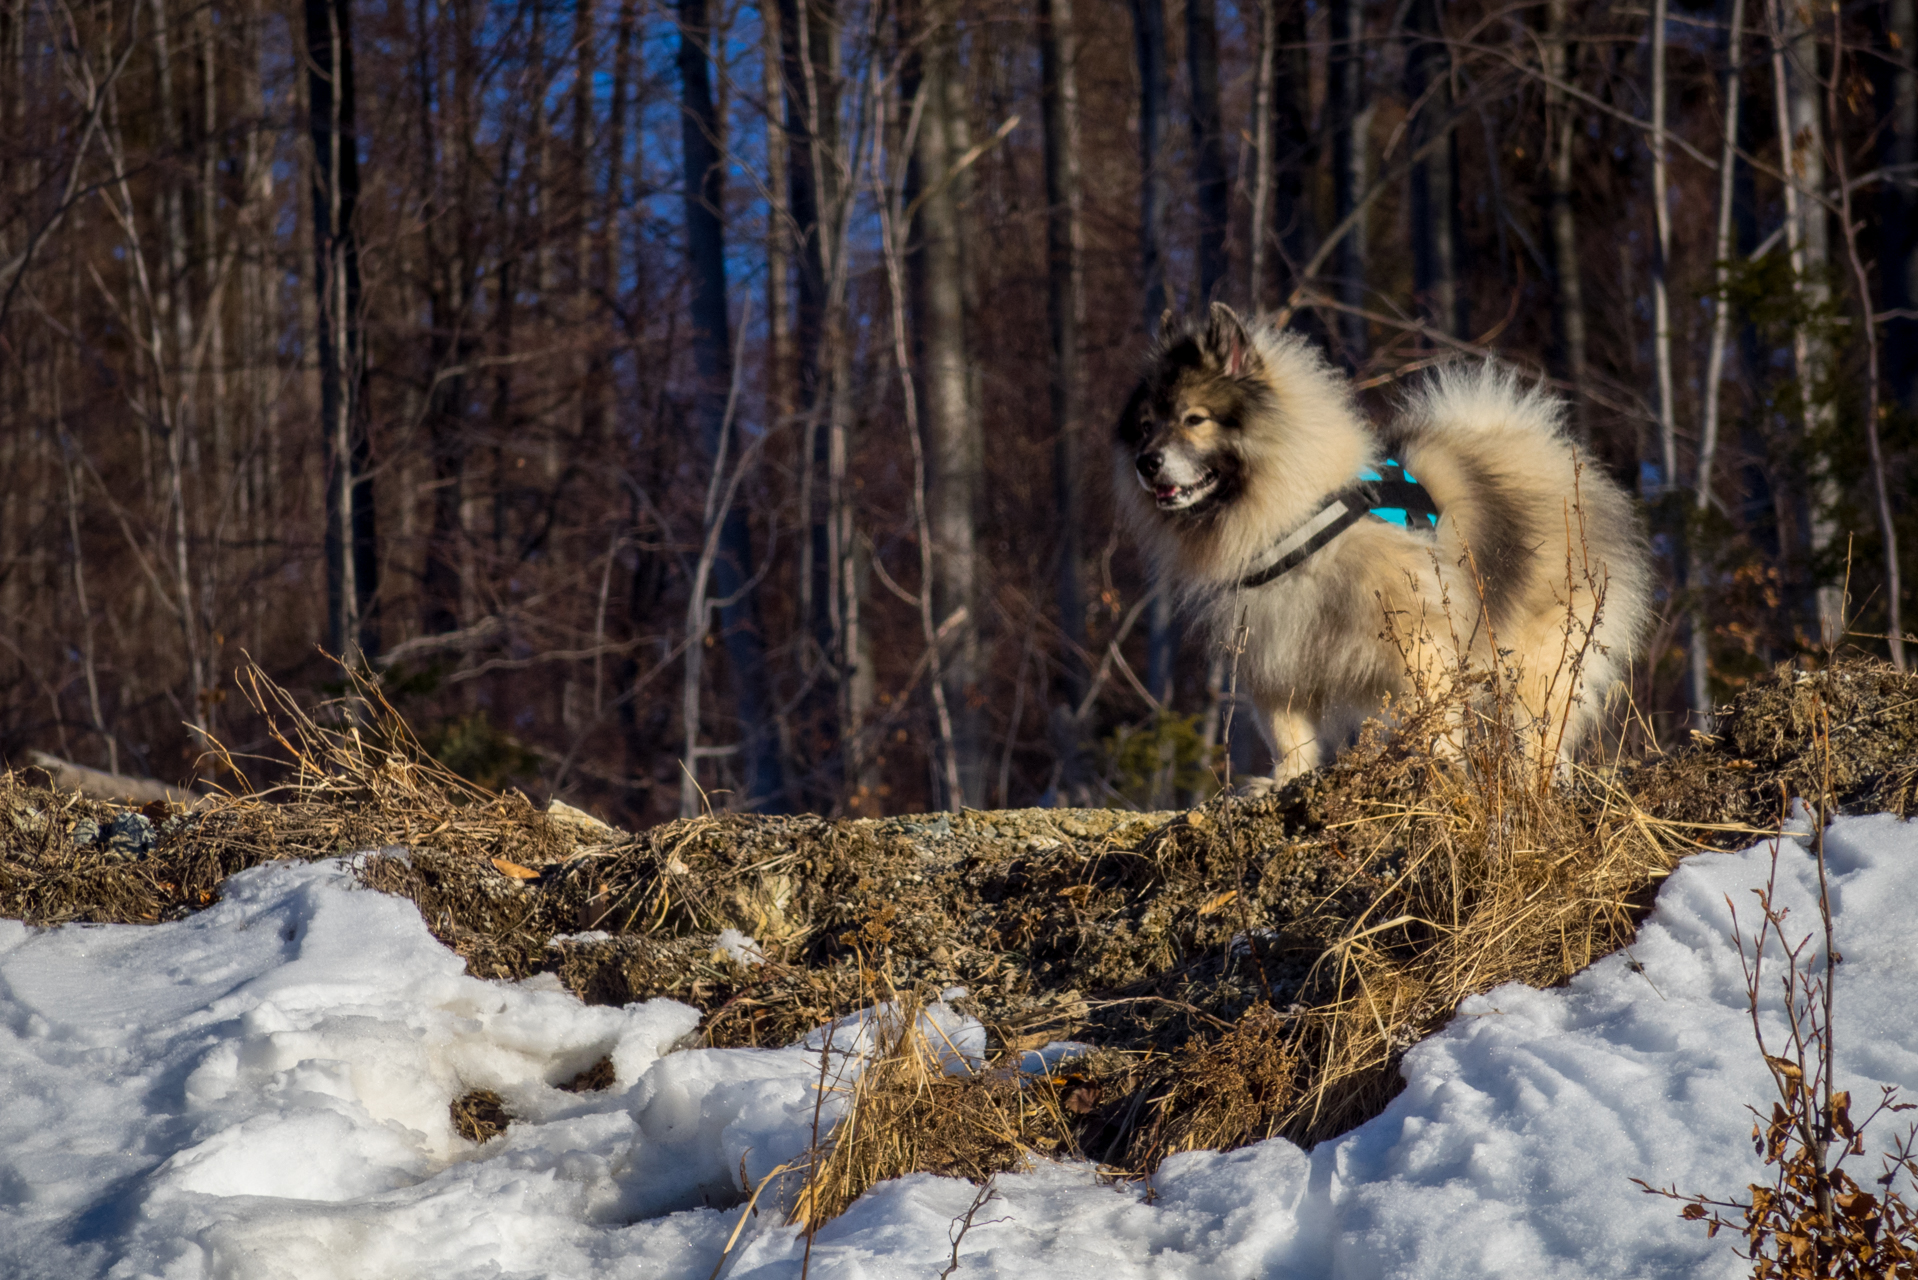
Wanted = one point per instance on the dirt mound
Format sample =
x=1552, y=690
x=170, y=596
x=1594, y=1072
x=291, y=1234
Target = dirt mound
x=1253, y=967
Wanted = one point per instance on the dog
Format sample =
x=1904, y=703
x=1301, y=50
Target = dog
x=1354, y=565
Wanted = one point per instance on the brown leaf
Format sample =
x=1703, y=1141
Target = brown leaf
x=514, y=871
x=1859, y=1204
x=1838, y=1114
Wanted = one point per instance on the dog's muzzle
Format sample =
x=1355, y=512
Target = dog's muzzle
x=1175, y=481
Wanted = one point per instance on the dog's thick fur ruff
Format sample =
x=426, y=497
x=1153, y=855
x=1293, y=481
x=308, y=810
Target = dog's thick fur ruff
x=1239, y=434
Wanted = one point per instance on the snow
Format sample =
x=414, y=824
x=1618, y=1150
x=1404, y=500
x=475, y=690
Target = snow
x=262, y=1090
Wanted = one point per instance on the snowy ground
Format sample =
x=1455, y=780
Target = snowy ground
x=262, y=1091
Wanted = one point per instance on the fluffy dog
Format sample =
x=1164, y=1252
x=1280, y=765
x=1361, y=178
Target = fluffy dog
x=1236, y=464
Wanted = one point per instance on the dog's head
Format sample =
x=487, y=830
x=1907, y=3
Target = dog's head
x=1183, y=427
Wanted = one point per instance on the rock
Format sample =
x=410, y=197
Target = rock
x=129, y=835
x=581, y=825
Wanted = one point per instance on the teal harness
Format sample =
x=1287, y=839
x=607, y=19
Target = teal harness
x=1389, y=493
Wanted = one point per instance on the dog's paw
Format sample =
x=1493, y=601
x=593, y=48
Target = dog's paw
x=1254, y=788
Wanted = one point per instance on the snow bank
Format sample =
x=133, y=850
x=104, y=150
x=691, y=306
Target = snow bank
x=262, y=1090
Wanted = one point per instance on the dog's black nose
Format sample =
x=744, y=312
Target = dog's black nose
x=1150, y=461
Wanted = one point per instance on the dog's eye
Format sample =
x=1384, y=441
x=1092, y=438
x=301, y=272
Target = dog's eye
x=1194, y=419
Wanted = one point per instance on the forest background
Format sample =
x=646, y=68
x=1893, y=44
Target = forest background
x=709, y=404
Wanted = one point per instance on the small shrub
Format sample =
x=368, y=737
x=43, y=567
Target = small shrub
x=1812, y=1220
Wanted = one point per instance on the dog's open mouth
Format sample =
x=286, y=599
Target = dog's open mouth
x=1171, y=497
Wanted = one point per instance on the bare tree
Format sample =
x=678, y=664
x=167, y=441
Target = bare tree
x=1861, y=278
x=1065, y=316
x=1434, y=198
x=1211, y=185
x=1349, y=114
x=955, y=445
x=1898, y=198
x=733, y=578
x=1148, y=32
x=1798, y=106
x=1568, y=295
x=1699, y=650
x=352, y=558
x=1148, y=38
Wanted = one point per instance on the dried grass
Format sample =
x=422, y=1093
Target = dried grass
x=479, y=1115
x=906, y=1112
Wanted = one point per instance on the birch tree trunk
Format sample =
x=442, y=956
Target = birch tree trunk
x=955, y=451
x=1796, y=99
x=351, y=551
x=1699, y=650
x=1661, y=253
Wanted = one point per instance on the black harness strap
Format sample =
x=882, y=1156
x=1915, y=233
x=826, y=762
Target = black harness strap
x=1387, y=494
x=1340, y=512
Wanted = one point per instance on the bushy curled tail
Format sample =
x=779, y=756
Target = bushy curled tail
x=1485, y=398
x=1517, y=495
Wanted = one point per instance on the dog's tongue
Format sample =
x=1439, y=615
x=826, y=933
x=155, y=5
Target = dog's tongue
x=1164, y=491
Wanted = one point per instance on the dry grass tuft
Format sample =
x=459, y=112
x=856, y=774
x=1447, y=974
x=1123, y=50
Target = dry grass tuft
x=480, y=1115
x=913, y=1107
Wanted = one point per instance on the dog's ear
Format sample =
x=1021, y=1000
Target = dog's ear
x=1227, y=343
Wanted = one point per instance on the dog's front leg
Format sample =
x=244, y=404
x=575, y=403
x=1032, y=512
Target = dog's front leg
x=1295, y=745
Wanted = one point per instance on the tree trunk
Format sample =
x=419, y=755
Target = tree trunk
x=1148, y=32
x=1669, y=511
x=448, y=286
x=351, y=548
x=1065, y=313
x=1796, y=97
x=779, y=320
x=1262, y=117
x=1898, y=197
x=1349, y=113
x=1568, y=297
x=1699, y=651
x=955, y=451
x=1434, y=197
x=806, y=35
x=1212, y=187
x=713, y=361
x=1661, y=252
x=1295, y=151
